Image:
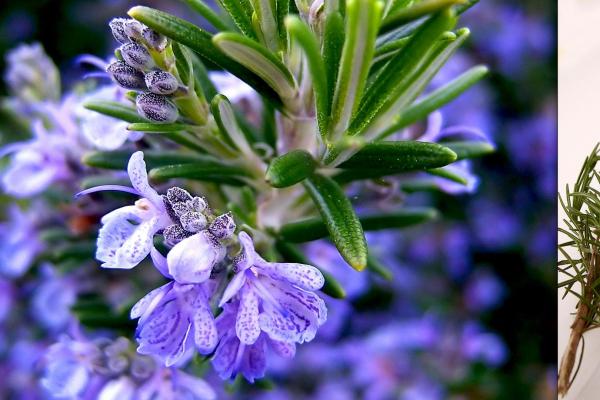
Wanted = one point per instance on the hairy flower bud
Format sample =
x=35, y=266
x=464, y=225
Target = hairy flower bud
x=156, y=108
x=136, y=56
x=154, y=39
x=133, y=29
x=126, y=76
x=161, y=82
x=118, y=30
x=223, y=226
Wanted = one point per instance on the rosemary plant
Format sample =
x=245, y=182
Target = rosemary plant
x=579, y=261
x=329, y=99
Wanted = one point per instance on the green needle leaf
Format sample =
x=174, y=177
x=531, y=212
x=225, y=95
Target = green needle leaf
x=439, y=97
x=118, y=159
x=290, y=168
x=209, y=170
x=200, y=41
x=448, y=174
x=398, y=75
x=259, y=60
x=342, y=223
x=299, y=31
x=362, y=22
x=470, y=149
x=333, y=43
x=116, y=110
x=225, y=119
x=241, y=13
x=157, y=128
x=314, y=228
x=402, y=16
x=201, y=8
x=400, y=156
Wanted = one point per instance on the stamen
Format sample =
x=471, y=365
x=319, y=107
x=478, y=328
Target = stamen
x=118, y=188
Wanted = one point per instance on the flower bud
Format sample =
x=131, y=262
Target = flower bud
x=136, y=56
x=156, y=108
x=154, y=39
x=126, y=76
x=223, y=226
x=133, y=29
x=193, y=221
x=161, y=82
x=118, y=30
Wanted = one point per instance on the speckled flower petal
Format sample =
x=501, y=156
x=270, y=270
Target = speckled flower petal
x=224, y=360
x=283, y=349
x=138, y=244
x=205, y=329
x=248, y=255
x=164, y=332
x=192, y=259
x=254, y=362
x=136, y=168
x=118, y=227
x=246, y=324
x=304, y=276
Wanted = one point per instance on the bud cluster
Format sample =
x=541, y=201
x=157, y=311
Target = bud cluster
x=137, y=69
x=192, y=215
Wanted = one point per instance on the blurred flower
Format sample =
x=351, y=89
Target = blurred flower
x=31, y=75
x=19, y=242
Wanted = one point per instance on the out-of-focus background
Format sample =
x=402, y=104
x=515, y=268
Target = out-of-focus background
x=471, y=310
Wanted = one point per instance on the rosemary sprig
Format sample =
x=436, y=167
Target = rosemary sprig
x=579, y=260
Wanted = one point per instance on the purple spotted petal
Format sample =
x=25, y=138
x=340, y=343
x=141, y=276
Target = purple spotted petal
x=136, y=168
x=304, y=276
x=164, y=332
x=205, y=329
x=192, y=259
x=160, y=262
x=246, y=325
x=224, y=360
x=283, y=349
x=254, y=362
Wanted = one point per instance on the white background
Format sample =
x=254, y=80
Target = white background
x=579, y=131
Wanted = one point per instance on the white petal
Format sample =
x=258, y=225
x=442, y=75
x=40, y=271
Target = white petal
x=139, y=178
x=122, y=388
x=138, y=244
x=192, y=259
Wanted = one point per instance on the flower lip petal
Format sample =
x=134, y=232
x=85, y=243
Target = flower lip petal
x=248, y=255
x=303, y=276
x=136, y=168
x=233, y=288
x=246, y=324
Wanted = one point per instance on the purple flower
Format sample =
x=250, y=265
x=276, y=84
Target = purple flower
x=53, y=298
x=173, y=318
x=192, y=259
x=484, y=347
x=35, y=164
x=234, y=357
x=31, y=75
x=126, y=236
x=276, y=298
x=70, y=368
x=19, y=243
x=103, y=132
